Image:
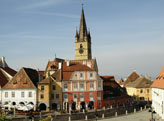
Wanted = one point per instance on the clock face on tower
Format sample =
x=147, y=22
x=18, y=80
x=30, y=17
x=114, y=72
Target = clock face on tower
x=81, y=51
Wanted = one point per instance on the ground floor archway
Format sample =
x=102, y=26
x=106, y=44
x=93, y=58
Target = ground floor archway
x=82, y=105
x=42, y=106
x=91, y=105
x=54, y=106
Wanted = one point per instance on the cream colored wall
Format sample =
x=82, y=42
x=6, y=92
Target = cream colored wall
x=46, y=92
x=131, y=91
x=57, y=91
x=85, y=54
x=136, y=92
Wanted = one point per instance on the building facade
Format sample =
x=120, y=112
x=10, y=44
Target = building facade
x=82, y=87
x=21, y=90
x=158, y=94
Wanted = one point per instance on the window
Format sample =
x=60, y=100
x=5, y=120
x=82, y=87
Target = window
x=81, y=86
x=141, y=91
x=142, y=98
x=91, y=85
x=91, y=75
x=99, y=94
x=57, y=96
x=65, y=86
x=54, y=87
x=52, y=96
x=6, y=94
x=22, y=94
x=147, y=90
x=65, y=97
x=75, y=86
x=42, y=96
x=81, y=97
x=29, y=94
x=12, y=94
x=91, y=96
x=81, y=46
x=81, y=75
x=42, y=87
x=75, y=96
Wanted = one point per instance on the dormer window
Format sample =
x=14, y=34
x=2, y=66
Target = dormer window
x=15, y=82
x=25, y=82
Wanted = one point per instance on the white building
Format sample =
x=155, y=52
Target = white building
x=21, y=90
x=158, y=94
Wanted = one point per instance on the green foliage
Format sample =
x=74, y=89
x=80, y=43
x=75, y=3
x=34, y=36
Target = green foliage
x=3, y=118
x=46, y=119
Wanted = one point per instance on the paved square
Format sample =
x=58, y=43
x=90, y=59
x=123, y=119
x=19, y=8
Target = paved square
x=139, y=116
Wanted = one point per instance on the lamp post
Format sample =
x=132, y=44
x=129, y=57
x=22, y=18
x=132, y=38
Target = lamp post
x=152, y=112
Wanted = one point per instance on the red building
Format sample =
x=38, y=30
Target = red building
x=113, y=93
x=82, y=86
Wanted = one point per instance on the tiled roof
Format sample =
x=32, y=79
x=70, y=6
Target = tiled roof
x=9, y=71
x=141, y=82
x=133, y=76
x=3, y=79
x=53, y=64
x=108, y=78
x=159, y=82
x=57, y=75
x=75, y=66
x=46, y=81
x=25, y=78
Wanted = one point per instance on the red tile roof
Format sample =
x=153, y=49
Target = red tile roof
x=25, y=78
x=73, y=66
x=159, y=82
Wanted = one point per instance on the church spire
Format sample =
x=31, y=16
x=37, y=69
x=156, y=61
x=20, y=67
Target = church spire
x=83, y=27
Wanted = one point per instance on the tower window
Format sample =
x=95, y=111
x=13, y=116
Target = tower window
x=81, y=46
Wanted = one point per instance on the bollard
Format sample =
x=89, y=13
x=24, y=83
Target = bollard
x=134, y=110
x=86, y=117
x=126, y=112
x=40, y=114
x=69, y=119
x=141, y=108
x=111, y=107
x=145, y=106
x=102, y=115
x=116, y=114
x=51, y=119
x=83, y=111
x=70, y=112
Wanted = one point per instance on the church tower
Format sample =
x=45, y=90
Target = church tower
x=83, y=41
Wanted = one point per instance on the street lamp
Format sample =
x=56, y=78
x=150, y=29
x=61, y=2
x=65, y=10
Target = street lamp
x=152, y=112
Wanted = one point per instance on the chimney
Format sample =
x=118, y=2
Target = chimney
x=60, y=65
x=3, y=62
x=67, y=62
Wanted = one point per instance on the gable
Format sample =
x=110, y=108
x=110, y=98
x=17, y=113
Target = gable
x=22, y=80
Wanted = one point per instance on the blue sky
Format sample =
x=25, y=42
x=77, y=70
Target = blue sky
x=126, y=35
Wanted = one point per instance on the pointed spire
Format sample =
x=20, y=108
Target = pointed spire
x=83, y=27
x=77, y=35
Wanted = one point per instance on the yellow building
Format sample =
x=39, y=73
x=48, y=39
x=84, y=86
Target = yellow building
x=50, y=92
x=140, y=89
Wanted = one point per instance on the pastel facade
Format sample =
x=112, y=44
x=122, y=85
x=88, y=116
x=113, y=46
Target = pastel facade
x=158, y=94
x=82, y=87
x=139, y=87
x=50, y=92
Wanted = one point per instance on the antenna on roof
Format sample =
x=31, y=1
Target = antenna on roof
x=55, y=55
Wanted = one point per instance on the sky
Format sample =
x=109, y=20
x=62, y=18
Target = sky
x=127, y=35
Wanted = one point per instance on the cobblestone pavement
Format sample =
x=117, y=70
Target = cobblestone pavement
x=139, y=116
